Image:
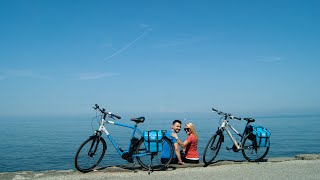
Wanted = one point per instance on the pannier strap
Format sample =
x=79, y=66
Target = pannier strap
x=157, y=141
x=266, y=139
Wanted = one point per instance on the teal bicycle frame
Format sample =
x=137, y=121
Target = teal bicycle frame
x=120, y=151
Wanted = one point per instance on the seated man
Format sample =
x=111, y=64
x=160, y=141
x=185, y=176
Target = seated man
x=176, y=126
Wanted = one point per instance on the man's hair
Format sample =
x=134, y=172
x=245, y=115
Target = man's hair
x=176, y=121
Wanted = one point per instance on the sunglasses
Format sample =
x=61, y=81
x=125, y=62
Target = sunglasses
x=187, y=129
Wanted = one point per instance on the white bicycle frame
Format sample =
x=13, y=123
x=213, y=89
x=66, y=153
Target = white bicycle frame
x=225, y=127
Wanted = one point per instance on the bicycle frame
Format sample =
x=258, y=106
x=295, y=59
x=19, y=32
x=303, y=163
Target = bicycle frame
x=102, y=128
x=225, y=127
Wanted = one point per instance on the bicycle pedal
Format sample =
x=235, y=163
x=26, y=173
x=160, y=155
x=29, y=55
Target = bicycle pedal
x=228, y=148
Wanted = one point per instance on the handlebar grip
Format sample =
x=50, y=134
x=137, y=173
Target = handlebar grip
x=118, y=117
x=237, y=118
x=214, y=110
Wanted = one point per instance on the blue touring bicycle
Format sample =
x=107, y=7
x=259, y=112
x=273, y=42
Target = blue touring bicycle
x=92, y=150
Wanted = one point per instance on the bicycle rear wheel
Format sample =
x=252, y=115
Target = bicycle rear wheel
x=212, y=148
x=152, y=161
x=90, y=154
x=251, y=151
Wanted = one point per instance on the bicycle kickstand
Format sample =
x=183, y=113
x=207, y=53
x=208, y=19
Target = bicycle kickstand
x=149, y=169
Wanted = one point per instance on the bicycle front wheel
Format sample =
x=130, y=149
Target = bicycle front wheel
x=152, y=160
x=251, y=151
x=90, y=154
x=212, y=148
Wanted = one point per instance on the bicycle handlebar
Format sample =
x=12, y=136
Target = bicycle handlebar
x=226, y=114
x=103, y=111
x=116, y=116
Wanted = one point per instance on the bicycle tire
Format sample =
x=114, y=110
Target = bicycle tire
x=93, y=145
x=212, y=148
x=251, y=151
x=146, y=161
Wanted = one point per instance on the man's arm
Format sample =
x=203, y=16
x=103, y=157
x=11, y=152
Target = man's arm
x=177, y=150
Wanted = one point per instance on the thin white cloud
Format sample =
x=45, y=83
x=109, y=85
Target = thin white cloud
x=22, y=74
x=94, y=75
x=127, y=45
x=177, y=42
x=271, y=59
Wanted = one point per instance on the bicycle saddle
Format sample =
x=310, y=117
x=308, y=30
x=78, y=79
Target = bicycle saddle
x=249, y=119
x=138, y=120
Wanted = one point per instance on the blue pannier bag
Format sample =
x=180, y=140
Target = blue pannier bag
x=153, y=140
x=262, y=135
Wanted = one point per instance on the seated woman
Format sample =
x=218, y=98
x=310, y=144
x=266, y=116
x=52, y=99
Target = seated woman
x=190, y=144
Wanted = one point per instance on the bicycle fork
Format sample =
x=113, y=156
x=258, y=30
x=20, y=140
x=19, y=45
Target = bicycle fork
x=94, y=144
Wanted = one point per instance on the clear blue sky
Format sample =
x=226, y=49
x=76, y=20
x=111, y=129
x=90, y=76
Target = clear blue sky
x=61, y=57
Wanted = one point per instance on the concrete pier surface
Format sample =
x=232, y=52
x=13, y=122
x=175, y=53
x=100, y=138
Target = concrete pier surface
x=303, y=166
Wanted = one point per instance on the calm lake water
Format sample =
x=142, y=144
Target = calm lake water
x=50, y=143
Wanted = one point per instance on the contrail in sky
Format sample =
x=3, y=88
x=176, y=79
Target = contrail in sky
x=127, y=45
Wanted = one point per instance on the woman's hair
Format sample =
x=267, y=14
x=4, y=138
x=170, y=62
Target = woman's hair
x=193, y=129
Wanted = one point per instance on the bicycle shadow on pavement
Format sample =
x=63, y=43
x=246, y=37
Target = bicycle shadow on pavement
x=119, y=168
x=136, y=167
x=128, y=168
x=225, y=162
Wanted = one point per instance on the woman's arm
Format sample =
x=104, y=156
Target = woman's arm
x=182, y=144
